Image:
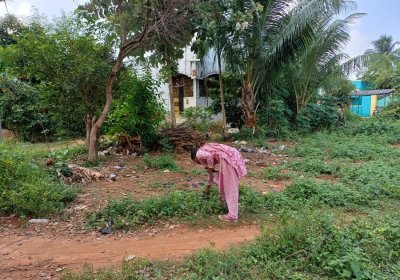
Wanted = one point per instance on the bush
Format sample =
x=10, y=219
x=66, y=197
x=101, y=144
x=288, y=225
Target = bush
x=20, y=110
x=198, y=118
x=316, y=117
x=137, y=109
x=26, y=188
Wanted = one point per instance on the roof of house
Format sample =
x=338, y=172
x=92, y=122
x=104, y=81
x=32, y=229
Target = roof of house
x=372, y=92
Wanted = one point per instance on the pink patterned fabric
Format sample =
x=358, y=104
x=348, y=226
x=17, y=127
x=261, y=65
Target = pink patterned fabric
x=232, y=167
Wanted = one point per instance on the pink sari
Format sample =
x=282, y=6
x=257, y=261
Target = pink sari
x=232, y=168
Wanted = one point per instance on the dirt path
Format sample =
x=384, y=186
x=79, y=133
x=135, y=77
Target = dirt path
x=39, y=257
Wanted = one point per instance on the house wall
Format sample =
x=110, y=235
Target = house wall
x=374, y=99
x=366, y=106
x=382, y=102
x=360, y=85
x=205, y=67
x=361, y=105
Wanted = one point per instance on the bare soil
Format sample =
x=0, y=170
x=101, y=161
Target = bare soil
x=45, y=251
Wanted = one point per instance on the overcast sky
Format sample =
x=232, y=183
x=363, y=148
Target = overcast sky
x=382, y=18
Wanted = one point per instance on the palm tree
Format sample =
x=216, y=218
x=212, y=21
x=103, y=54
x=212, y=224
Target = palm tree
x=321, y=59
x=270, y=33
x=384, y=45
x=382, y=62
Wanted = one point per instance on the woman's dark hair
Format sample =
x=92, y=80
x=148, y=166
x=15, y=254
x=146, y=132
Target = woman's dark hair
x=193, y=153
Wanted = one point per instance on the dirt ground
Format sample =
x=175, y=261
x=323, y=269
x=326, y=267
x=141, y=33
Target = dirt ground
x=45, y=251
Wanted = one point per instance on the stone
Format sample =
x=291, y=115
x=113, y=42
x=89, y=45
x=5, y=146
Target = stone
x=129, y=258
x=39, y=221
x=113, y=176
x=119, y=167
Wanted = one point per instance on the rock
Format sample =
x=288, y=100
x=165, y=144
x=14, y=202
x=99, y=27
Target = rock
x=60, y=269
x=113, y=177
x=166, y=171
x=119, y=167
x=247, y=149
x=281, y=147
x=233, y=130
x=39, y=221
x=108, y=229
x=104, y=153
x=243, y=143
x=80, y=207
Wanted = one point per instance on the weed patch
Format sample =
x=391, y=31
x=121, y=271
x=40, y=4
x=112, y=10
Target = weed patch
x=166, y=161
x=26, y=188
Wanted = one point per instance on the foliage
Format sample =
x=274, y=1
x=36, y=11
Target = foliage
x=21, y=111
x=26, y=188
x=60, y=162
x=130, y=213
x=135, y=29
x=161, y=162
x=275, y=116
x=66, y=66
x=10, y=26
x=317, y=116
x=234, y=114
x=137, y=109
x=382, y=65
x=320, y=60
x=198, y=118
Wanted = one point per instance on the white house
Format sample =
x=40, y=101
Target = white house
x=189, y=85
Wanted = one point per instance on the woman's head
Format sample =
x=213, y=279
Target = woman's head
x=193, y=154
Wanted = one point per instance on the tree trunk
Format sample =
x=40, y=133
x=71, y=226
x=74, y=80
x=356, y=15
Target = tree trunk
x=171, y=93
x=221, y=93
x=96, y=125
x=248, y=103
x=89, y=122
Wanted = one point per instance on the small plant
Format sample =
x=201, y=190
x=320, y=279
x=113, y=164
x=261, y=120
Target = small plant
x=60, y=162
x=198, y=118
x=166, y=145
x=89, y=164
x=166, y=161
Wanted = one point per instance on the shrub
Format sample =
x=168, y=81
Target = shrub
x=316, y=117
x=20, y=110
x=137, y=109
x=198, y=118
x=26, y=188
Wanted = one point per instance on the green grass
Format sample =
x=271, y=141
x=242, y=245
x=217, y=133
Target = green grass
x=161, y=162
x=315, y=229
x=26, y=188
x=37, y=150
